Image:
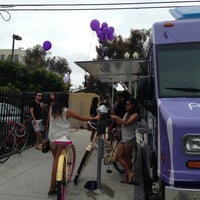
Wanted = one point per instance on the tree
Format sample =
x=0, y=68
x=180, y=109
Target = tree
x=94, y=85
x=119, y=46
x=36, y=57
x=15, y=75
x=58, y=65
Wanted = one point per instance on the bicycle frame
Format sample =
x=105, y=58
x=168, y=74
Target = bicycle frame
x=88, y=154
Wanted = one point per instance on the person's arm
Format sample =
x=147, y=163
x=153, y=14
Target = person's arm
x=132, y=118
x=48, y=119
x=32, y=115
x=72, y=114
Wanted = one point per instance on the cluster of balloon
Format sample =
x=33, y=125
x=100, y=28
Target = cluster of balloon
x=104, y=32
x=66, y=78
x=47, y=45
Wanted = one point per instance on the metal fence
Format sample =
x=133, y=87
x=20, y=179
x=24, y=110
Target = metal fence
x=15, y=106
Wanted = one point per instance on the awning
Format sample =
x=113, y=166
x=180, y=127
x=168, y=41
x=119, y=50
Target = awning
x=121, y=70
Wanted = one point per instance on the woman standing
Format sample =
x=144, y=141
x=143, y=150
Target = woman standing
x=128, y=126
x=93, y=113
x=59, y=126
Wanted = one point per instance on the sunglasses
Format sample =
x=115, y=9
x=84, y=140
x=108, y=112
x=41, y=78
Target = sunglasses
x=39, y=95
x=127, y=104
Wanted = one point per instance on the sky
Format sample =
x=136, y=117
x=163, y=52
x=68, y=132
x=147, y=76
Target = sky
x=69, y=31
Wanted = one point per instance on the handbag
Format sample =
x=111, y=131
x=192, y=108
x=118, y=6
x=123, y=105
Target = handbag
x=45, y=146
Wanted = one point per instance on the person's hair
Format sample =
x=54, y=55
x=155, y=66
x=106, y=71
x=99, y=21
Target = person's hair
x=95, y=101
x=61, y=101
x=52, y=93
x=106, y=97
x=134, y=102
x=125, y=95
x=35, y=94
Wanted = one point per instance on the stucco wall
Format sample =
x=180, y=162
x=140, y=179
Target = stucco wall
x=80, y=103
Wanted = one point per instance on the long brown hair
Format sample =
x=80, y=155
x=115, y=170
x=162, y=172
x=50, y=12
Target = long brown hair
x=135, y=109
x=61, y=101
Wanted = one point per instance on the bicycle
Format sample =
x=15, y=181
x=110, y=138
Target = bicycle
x=65, y=167
x=15, y=141
x=108, y=159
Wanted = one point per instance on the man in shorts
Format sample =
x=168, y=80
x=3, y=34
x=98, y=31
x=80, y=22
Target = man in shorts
x=36, y=111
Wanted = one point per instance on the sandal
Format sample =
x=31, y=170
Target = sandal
x=124, y=179
x=130, y=178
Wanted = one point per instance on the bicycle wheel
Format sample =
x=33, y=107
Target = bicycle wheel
x=21, y=141
x=71, y=160
x=82, y=165
x=7, y=148
x=119, y=167
x=66, y=166
x=20, y=130
x=61, y=177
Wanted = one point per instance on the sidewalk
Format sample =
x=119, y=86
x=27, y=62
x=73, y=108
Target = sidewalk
x=27, y=177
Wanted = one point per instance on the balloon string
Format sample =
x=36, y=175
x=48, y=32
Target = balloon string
x=102, y=54
x=90, y=47
x=2, y=16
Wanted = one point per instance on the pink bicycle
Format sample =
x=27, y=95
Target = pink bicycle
x=15, y=140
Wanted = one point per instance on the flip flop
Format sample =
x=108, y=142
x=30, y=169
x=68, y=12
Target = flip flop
x=124, y=181
x=131, y=178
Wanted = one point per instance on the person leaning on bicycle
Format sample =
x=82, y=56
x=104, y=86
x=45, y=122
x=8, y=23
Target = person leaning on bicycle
x=59, y=127
x=128, y=126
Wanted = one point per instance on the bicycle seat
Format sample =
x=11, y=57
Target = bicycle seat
x=63, y=141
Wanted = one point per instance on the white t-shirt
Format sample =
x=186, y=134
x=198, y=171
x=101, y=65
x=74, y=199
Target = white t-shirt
x=59, y=127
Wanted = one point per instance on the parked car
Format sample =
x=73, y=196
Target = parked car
x=8, y=112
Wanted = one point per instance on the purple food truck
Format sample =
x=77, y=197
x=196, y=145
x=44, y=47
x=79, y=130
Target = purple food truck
x=169, y=93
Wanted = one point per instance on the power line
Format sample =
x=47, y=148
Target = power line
x=95, y=6
x=89, y=9
x=5, y=9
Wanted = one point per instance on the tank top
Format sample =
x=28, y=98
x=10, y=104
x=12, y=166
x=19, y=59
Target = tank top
x=128, y=132
x=59, y=127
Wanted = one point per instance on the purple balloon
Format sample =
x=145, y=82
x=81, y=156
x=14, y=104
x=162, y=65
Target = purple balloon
x=111, y=30
x=100, y=34
x=46, y=45
x=110, y=36
x=66, y=78
x=106, y=31
x=103, y=25
x=99, y=29
x=94, y=24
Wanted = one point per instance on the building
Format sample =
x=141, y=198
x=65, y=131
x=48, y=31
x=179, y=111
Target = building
x=18, y=54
